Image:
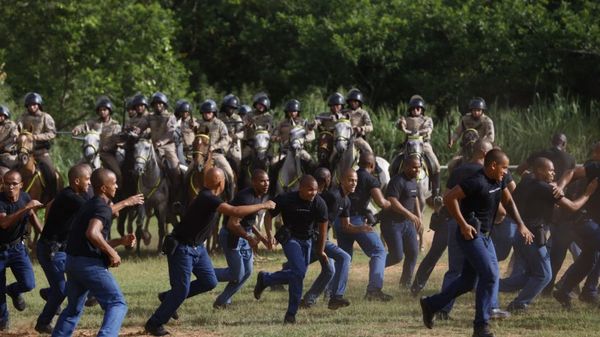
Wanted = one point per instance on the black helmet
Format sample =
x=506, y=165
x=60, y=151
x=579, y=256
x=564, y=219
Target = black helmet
x=4, y=111
x=355, y=95
x=33, y=98
x=139, y=99
x=416, y=101
x=263, y=99
x=230, y=101
x=104, y=102
x=160, y=98
x=182, y=106
x=477, y=103
x=292, y=105
x=336, y=99
x=208, y=106
x=129, y=103
x=244, y=110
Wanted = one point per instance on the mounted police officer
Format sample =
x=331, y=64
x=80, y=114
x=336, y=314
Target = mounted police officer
x=185, y=129
x=417, y=124
x=219, y=136
x=8, y=137
x=235, y=128
x=475, y=119
x=360, y=120
x=292, y=123
x=139, y=106
x=259, y=118
x=325, y=123
x=109, y=130
x=41, y=125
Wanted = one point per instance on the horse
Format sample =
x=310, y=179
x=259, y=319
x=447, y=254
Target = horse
x=467, y=142
x=91, y=144
x=152, y=183
x=325, y=148
x=259, y=159
x=34, y=182
x=290, y=170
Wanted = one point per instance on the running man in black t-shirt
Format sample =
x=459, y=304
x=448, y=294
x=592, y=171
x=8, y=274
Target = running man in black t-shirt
x=238, y=238
x=185, y=248
x=303, y=213
x=535, y=197
x=89, y=255
x=16, y=209
x=474, y=203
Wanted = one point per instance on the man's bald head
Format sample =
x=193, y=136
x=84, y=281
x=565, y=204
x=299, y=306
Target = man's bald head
x=323, y=176
x=541, y=163
x=307, y=180
x=214, y=178
x=481, y=148
x=101, y=177
x=259, y=174
x=78, y=171
x=367, y=159
x=494, y=156
x=559, y=140
x=12, y=174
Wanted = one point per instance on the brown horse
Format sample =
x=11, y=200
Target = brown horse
x=33, y=180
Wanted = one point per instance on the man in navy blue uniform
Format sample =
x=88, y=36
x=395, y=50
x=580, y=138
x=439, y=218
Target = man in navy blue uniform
x=185, y=249
x=333, y=275
x=303, y=212
x=587, y=229
x=535, y=197
x=89, y=255
x=16, y=209
x=53, y=240
x=369, y=241
x=473, y=203
x=403, y=219
x=238, y=238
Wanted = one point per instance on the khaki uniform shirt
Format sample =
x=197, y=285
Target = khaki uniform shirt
x=219, y=136
x=187, y=131
x=8, y=135
x=285, y=127
x=135, y=122
x=263, y=121
x=109, y=132
x=484, y=126
x=162, y=127
x=236, y=130
x=360, y=118
x=422, y=125
x=41, y=125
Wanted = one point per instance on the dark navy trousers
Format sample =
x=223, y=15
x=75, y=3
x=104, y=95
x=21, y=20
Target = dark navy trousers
x=17, y=259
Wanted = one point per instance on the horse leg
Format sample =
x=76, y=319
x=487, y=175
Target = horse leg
x=162, y=224
x=139, y=230
x=121, y=221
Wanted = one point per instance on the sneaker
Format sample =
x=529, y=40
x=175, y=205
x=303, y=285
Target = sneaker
x=337, y=302
x=18, y=301
x=590, y=298
x=378, y=295
x=44, y=328
x=563, y=299
x=155, y=330
x=516, y=307
x=161, y=297
x=428, y=314
x=482, y=331
x=442, y=316
x=306, y=304
x=289, y=319
x=260, y=285
x=499, y=314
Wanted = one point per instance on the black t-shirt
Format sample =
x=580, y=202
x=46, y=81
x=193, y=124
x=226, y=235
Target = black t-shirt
x=338, y=205
x=468, y=169
x=592, y=170
x=361, y=196
x=199, y=218
x=17, y=230
x=535, y=201
x=246, y=197
x=64, y=207
x=299, y=215
x=77, y=242
x=562, y=160
x=483, y=195
x=405, y=191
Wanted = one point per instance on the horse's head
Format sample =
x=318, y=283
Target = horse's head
x=325, y=146
x=467, y=141
x=414, y=146
x=297, y=138
x=200, y=151
x=143, y=152
x=25, y=147
x=262, y=140
x=91, y=144
x=342, y=134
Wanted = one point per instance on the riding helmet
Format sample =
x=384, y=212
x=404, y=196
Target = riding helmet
x=208, y=106
x=263, y=99
x=230, y=101
x=33, y=98
x=104, y=102
x=139, y=99
x=355, y=95
x=5, y=111
x=416, y=101
x=292, y=105
x=182, y=106
x=159, y=97
x=477, y=103
x=336, y=99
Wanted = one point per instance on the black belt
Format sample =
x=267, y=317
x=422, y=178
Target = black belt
x=58, y=246
x=12, y=244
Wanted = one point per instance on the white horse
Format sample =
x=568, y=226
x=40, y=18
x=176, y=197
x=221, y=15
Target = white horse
x=90, y=148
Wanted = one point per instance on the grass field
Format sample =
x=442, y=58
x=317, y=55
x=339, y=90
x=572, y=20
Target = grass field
x=141, y=278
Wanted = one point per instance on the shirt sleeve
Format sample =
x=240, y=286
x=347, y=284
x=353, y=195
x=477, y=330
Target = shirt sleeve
x=345, y=208
x=393, y=189
x=372, y=183
x=279, y=203
x=470, y=185
x=320, y=210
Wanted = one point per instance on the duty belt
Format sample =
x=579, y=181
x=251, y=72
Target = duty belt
x=7, y=246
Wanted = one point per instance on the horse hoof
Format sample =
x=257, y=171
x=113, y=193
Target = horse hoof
x=146, y=237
